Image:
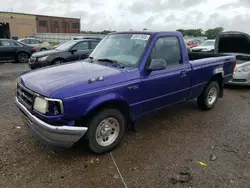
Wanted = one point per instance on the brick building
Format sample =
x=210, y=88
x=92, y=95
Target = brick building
x=19, y=25
x=50, y=24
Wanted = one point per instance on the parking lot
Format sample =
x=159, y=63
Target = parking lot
x=177, y=147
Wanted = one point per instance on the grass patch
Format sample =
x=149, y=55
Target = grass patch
x=53, y=43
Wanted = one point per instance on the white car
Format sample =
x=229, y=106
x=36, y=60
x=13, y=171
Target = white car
x=241, y=74
x=38, y=44
x=205, y=46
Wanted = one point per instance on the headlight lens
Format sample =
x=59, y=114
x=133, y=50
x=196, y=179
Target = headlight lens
x=42, y=58
x=243, y=69
x=48, y=106
x=40, y=105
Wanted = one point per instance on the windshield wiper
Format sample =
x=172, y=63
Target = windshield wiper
x=112, y=62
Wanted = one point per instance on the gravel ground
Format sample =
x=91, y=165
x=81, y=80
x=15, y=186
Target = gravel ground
x=178, y=147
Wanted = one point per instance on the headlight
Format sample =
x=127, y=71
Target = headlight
x=40, y=105
x=42, y=58
x=48, y=106
x=243, y=69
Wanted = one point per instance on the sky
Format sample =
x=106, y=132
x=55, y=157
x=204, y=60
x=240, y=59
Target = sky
x=98, y=15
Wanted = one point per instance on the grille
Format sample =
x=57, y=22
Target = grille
x=25, y=96
x=239, y=80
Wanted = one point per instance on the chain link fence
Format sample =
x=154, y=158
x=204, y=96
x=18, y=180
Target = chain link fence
x=62, y=37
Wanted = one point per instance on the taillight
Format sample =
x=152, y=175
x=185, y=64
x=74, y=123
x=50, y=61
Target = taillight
x=235, y=62
x=34, y=49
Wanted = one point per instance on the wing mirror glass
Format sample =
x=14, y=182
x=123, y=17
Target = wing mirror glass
x=157, y=64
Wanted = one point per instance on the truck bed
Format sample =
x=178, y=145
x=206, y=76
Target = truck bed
x=199, y=55
x=204, y=65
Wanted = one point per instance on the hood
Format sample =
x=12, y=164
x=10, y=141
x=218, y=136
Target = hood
x=232, y=42
x=48, y=80
x=45, y=53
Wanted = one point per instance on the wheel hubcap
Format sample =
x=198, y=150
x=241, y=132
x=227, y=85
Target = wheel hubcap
x=23, y=57
x=107, y=131
x=212, y=95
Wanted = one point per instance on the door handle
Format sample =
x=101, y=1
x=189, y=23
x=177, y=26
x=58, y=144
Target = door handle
x=183, y=73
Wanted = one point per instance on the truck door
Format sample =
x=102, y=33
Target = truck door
x=170, y=85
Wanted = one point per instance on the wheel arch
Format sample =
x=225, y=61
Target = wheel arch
x=57, y=58
x=219, y=79
x=117, y=103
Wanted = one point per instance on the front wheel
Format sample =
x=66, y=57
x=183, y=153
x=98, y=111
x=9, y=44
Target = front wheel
x=106, y=130
x=58, y=61
x=209, y=96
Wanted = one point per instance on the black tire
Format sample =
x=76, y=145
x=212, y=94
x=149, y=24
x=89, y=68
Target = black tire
x=58, y=61
x=204, y=100
x=94, y=124
x=22, y=57
x=43, y=49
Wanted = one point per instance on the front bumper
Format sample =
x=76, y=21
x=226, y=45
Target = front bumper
x=34, y=63
x=56, y=136
x=240, y=78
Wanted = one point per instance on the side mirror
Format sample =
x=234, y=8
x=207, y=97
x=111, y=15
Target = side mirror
x=73, y=51
x=157, y=64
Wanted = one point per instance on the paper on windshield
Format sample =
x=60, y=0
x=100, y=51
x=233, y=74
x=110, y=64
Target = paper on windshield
x=140, y=37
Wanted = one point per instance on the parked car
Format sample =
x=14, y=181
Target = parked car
x=205, y=46
x=70, y=51
x=193, y=43
x=38, y=44
x=29, y=36
x=12, y=50
x=128, y=75
x=238, y=44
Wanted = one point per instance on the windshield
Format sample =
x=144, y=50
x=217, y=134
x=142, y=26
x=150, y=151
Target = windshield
x=66, y=46
x=123, y=48
x=207, y=43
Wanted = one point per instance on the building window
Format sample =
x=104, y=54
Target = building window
x=75, y=25
x=43, y=23
x=65, y=25
x=55, y=24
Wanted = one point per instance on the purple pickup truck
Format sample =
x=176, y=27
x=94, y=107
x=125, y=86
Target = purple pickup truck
x=127, y=76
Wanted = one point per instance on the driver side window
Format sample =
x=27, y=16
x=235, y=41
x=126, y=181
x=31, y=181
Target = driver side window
x=168, y=49
x=81, y=46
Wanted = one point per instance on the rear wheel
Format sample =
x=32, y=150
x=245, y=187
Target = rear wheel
x=43, y=49
x=209, y=96
x=22, y=57
x=106, y=130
